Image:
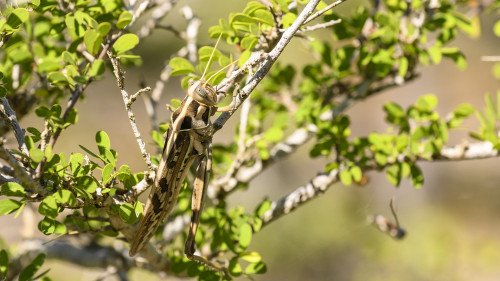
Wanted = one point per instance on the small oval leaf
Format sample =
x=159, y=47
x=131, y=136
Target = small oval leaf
x=125, y=42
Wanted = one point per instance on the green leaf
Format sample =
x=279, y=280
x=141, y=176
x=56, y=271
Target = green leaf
x=69, y=58
x=4, y=264
x=57, y=79
x=17, y=17
x=256, y=268
x=345, y=177
x=234, y=267
x=75, y=27
x=97, y=68
x=496, y=28
x=245, y=236
x=20, y=56
x=124, y=19
x=457, y=56
x=109, y=156
x=496, y=70
x=124, y=173
x=65, y=197
x=48, y=207
x=103, y=142
x=263, y=208
x=138, y=209
x=75, y=161
x=244, y=57
x=288, y=19
x=13, y=189
x=92, y=40
x=427, y=102
x=356, y=173
x=393, y=174
x=435, y=53
x=104, y=28
x=403, y=67
x=264, y=17
x=8, y=206
x=464, y=110
x=394, y=110
x=48, y=65
x=3, y=92
x=125, y=42
x=252, y=257
x=47, y=226
x=28, y=272
x=72, y=117
x=127, y=213
x=36, y=155
x=274, y=134
x=417, y=177
x=181, y=66
x=249, y=42
x=87, y=183
x=42, y=111
x=107, y=172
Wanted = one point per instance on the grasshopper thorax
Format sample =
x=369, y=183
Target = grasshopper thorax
x=202, y=92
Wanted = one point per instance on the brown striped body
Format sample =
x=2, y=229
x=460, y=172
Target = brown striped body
x=186, y=140
x=189, y=137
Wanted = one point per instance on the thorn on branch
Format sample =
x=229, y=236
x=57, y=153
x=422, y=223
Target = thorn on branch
x=134, y=96
x=319, y=26
x=326, y=9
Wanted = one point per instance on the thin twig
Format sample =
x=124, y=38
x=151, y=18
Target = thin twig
x=159, y=12
x=120, y=79
x=9, y=117
x=134, y=96
x=490, y=58
x=319, y=13
x=20, y=171
x=322, y=181
x=319, y=26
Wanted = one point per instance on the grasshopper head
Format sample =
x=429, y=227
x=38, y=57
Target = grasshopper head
x=202, y=92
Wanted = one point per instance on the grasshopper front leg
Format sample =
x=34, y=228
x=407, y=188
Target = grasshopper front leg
x=232, y=105
x=199, y=190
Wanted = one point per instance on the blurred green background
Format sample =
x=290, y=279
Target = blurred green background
x=452, y=222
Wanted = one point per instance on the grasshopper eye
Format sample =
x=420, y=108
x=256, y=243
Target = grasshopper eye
x=202, y=92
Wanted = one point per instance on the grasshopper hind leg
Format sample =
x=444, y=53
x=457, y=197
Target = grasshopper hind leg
x=199, y=191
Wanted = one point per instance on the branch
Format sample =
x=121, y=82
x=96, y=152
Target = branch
x=75, y=95
x=156, y=16
x=120, y=79
x=9, y=117
x=322, y=181
x=269, y=59
x=158, y=261
x=319, y=26
x=281, y=150
x=326, y=9
x=98, y=257
x=20, y=171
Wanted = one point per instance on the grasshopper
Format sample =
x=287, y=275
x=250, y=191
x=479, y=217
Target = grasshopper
x=188, y=137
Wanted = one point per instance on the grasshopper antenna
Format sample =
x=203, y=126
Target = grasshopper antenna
x=211, y=56
x=222, y=69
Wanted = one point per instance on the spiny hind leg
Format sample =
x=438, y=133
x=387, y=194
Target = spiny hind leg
x=199, y=191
